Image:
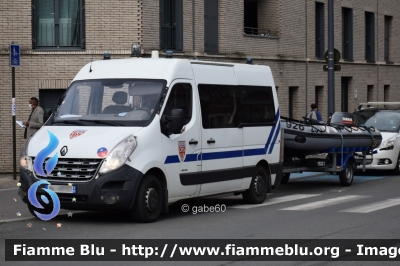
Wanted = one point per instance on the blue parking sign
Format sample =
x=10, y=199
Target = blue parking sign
x=15, y=55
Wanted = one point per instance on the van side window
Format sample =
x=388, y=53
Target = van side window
x=224, y=106
x=219, y=105
x=180, y=98
x=257, y=104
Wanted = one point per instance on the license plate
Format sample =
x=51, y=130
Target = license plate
x=63, y=189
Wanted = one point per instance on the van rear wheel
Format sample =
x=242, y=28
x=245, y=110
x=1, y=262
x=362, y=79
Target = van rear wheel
x=257, y=192
x=149, y=200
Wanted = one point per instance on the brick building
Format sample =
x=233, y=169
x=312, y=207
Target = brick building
x=58, y=37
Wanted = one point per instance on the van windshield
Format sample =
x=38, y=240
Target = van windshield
x=109, y=102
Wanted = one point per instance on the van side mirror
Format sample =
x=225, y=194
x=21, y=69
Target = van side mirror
x=175, y=121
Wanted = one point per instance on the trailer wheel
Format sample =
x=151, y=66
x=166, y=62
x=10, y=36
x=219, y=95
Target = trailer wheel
x=149, y=200
x=285, y=178
x=346, y=177
x=257, y=192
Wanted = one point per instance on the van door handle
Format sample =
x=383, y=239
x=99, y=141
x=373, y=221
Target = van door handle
x=193, y=142
x=211, y=141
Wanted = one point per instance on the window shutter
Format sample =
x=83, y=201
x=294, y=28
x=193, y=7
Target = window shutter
x=350, y=34
x=179, y=25
x=33, y=24
x=83, y=24
x=319, y=30
x=387, y=25
x=211, y=26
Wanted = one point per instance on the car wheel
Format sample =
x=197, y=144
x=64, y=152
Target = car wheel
x=346, y=177
x=396, y=170
x=149, y=200
x=285, y=178
x=257, y=191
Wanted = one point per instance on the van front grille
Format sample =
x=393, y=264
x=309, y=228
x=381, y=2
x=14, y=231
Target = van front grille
x=68, y=169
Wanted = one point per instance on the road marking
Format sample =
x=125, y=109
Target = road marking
x=324, y=203
x=275, y=201
x=374, y=206
x=5, y=189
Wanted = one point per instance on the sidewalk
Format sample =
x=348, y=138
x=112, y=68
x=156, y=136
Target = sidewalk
x=6, y=181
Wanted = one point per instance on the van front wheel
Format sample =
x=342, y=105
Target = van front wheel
x=257, y=192
x=149, y=200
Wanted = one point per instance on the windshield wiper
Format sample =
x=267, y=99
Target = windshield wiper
x=68, y=122
x=102, y=122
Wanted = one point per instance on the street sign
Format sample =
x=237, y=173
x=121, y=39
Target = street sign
x=336, y=57
x=337, y=68
x=15, y=55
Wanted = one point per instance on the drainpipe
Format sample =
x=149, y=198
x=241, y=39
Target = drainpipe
x=377, y=51
x=193, y=26
x=306, y=107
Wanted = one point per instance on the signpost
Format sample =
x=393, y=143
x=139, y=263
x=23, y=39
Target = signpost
x=336, y=59
x=15, y=61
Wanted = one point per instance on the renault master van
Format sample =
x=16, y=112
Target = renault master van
x=141, y=134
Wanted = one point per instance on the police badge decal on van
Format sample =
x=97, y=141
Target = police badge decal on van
x=182, y=150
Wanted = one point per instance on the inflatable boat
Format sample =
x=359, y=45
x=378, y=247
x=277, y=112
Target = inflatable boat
x=341, y=133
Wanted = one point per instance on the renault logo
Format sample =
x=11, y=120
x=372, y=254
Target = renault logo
x=63, y=151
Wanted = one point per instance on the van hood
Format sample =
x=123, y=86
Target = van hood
x=82, y=142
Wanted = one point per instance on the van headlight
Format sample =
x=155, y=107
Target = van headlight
x=388, y=143
x=118, y=156
x=25, y=161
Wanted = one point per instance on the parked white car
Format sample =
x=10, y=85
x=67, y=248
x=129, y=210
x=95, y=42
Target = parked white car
x=384, y=116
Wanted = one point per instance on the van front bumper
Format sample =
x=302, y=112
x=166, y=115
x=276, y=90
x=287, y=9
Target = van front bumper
x=112, y=191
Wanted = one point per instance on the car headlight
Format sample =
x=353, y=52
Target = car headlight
x=388, y=143
x=25, y=161
x=118, y=156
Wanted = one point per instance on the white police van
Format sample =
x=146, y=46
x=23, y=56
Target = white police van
x=140, y=134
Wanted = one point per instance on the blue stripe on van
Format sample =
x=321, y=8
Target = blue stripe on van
x=172, y=159
x=275, y=136
x=234, y=154
x=191, y=157
x=221, y=155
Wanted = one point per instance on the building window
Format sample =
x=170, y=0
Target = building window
x=369, y=36
x=261, y=17
x=370, y=93
x=171, y=19
x=292, y=97
x=347, y=30
x=345, y=94
x=388, y=28
x=318, y=94
x=58, y=24
x=386, y=90
x=211, y=26
x=319, y=30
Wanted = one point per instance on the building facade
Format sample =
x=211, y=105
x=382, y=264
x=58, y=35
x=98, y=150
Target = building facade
x=58, y=37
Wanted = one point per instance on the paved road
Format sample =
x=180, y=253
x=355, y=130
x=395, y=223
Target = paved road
x=308, y=207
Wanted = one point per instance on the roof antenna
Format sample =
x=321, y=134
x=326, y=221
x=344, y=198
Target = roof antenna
x=90, y=70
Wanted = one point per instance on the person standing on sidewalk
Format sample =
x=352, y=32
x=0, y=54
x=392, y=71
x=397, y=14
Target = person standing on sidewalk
x=35, y=120
x=314, y=114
